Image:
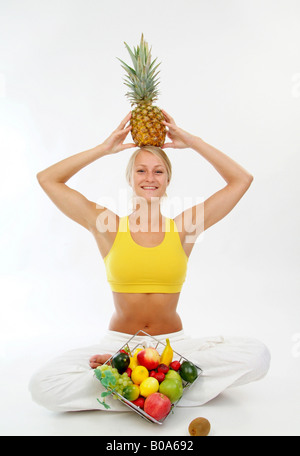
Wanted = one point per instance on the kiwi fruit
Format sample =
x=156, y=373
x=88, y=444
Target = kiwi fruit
x=200, y=427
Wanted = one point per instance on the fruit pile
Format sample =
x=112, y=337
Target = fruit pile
x=151, y=381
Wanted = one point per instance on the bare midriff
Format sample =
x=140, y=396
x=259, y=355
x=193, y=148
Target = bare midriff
x=150, y=312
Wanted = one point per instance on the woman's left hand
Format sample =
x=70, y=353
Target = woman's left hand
x=180, y=139
x=98, y=360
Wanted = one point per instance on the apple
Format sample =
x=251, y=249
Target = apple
x=171, y=388
x=173, y=374
x=149, y=358
x=157, y=405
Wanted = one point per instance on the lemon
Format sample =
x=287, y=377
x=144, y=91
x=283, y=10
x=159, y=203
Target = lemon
x=149, y=386
x=139, y=374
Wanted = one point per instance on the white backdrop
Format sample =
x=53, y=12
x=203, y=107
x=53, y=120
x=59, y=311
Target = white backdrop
x=230, y=73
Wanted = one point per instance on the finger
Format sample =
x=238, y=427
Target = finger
x=129, y=145
x=94, y=365
x=168, y=146
x=125, y=121
x=124, y=132
x=169, y=125
x=168, y=117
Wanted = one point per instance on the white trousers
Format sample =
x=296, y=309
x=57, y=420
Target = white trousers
x=67, y=383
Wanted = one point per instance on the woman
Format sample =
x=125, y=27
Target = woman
x=146, y=257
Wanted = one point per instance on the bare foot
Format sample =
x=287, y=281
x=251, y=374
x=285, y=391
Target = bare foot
x=98, y=360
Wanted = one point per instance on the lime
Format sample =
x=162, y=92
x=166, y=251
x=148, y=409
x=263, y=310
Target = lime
x=131, y=392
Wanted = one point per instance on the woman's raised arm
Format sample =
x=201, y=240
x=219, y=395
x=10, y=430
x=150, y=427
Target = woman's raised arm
x=217, y=206
x=70, y=202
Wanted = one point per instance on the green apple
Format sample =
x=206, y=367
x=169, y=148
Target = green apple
x=172, y=388
x=173, y=374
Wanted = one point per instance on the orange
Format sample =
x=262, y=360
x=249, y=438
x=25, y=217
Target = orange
x=149, y=386
x=139, y=374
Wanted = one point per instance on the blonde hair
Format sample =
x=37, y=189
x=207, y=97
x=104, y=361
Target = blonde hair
x=160, y=153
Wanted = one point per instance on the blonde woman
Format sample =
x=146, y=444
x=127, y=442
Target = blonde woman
x=146, y=257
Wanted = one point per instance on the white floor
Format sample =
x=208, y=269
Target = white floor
x=270, y=407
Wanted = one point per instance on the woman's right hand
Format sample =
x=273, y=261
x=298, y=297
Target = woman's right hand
x=115, y=142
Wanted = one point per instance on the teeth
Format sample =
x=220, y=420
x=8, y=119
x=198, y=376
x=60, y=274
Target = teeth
x=149, y=188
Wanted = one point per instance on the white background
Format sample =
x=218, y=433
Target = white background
x=230, y=74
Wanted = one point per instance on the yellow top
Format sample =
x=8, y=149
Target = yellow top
x=132, y=268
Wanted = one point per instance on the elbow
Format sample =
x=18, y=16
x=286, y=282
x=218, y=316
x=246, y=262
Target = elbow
x=250, y=179
x=40, y=177
x=244, y=181
x=247, y=181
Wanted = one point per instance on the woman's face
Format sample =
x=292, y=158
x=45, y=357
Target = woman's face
x=150, y=176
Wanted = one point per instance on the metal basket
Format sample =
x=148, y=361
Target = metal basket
x=155, y=343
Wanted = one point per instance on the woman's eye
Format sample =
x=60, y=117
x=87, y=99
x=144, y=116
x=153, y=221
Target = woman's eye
x=141, y=171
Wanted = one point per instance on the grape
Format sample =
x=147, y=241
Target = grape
x=121, y=380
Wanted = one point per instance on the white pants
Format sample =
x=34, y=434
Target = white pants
x=67, y=383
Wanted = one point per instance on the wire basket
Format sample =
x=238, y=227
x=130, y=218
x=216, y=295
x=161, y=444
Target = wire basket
x=159, y=346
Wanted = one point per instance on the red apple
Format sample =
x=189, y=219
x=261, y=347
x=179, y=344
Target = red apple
x=149, y=358
x=157, y=405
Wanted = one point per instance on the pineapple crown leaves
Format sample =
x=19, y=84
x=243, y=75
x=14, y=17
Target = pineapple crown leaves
x=142, y=80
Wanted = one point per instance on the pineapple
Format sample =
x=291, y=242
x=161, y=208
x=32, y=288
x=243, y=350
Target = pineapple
x=147, y=129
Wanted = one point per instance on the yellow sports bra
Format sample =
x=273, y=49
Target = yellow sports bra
x=132, y=268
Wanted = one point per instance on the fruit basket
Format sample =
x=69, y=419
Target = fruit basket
x=148, y=376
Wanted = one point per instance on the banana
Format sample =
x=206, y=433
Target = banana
x=133, y=360
x=133, y=363
x=167, y=354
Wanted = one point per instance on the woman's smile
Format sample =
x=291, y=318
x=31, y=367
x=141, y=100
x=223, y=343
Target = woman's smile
x=151, y=189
